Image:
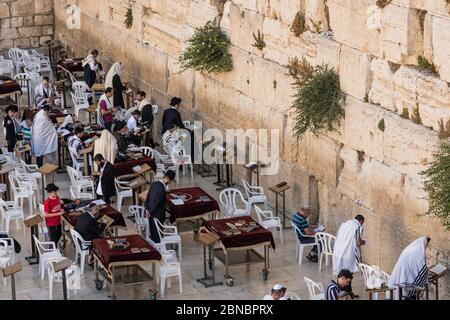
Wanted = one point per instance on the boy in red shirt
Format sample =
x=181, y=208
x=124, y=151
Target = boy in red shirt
x=53, y=212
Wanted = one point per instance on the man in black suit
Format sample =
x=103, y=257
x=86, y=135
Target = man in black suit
x=88, y=227
x=155, y=204
x=172, y=116
x=12, y=127
x=120, y=130
x=105, y=188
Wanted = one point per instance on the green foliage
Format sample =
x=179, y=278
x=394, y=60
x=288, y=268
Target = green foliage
x=383, y=3
x=444, y=131
x=207, y=51
x=259, y=41
x=415, y=117
x=405, y=113
x=381, y=125
x=129, y=18
x=317, y=104
x=426, y=65
x=298, y=25
x=437, y=184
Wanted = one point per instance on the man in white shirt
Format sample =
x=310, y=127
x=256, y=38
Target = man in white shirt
x=133, y=129
x=106, y=188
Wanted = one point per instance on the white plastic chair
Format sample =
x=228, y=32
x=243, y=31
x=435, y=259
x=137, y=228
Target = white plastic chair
x=6, y=255
x=181, y=159
x=167, y=270
x=82, y=90
x=22, y=190
x=71, y=275
x=168, y=237
x=43, y=229
x=326, y=241
x=17, y=56
x=76, y=163
x=122, y=191
x=81, y=248
x=315, y=289
x=301, y=246
x=10, y=243
x=10, y=212
x=81, y=186
x=147, y=151
x=227, y=199
x=255, y=194
x=269, y=221
x=79, y=103
x=141, y=225
x=46, y=250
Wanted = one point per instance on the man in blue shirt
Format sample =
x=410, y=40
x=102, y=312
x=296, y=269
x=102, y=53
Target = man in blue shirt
x=306, y=234
x=342, y=283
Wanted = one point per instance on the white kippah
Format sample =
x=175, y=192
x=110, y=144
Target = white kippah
x=278, y=287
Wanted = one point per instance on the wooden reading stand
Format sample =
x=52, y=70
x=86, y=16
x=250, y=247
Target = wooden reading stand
x=32, y=222
x=46, y=170
x=11, y=271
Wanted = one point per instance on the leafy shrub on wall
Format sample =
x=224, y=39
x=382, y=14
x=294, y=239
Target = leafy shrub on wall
x=207, y=51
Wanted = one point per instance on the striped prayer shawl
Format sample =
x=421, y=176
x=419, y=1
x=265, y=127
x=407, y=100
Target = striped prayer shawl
x=332, y=291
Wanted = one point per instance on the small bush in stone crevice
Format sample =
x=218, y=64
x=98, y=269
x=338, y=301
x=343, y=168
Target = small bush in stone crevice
x=207, y=51
x=381, y=125
x=405, y=113
x=444, y=130
x=299, y=24
x=259, y=41
x=437, y=184
x=415, y=117
x=301, y=71
x=317, y=103
x=129, y=18
x=383, y=3
x=424, y=64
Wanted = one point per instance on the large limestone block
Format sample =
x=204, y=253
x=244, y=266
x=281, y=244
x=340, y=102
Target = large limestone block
x=382, y=90
x=328, y=52
x=199, y=12
x=303, y=46
x=206, y=96
x=43, y=6
x=433, y=95
x=284, y=90
x=348, y=20
x=315, y=13
x=428, y=50
x=261, y=88
x=441, y=46
x=288, y=10
x=437, y=8
x=355, y=74
x=180, y=84
x=407, y=146
x=43, y=20
x=361, y=127
x=22, y=8
x=163, y=33
x=243, y=24
x=8, y=33
x=321, y=158
x=405, y=82
x=247, y=4
x=401, y=35
x=6, y=44
x=4, y=10
x=225, y=21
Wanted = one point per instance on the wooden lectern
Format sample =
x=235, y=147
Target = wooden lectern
x=32, y=222
x=208, y=239
x=11, y=271
x=435, y=272
x=46, y=170
x=62, y=266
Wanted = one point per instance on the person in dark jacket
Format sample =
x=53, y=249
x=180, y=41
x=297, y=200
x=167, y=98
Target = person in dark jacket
x=90, y=66
x=155, y=204
x=88, y=227
x=105, y=187
x=12, y=126
x=114, y=81
x=120, y=131
x=172, y=116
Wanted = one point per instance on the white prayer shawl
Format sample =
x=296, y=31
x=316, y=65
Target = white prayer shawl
x=91, y=61
x=142, y=104
x=106, y=146
x=44, y=139
x=115, y=69
x=346, y=253
x=128, y=113
x=99, y=110
x=411, y=267
x=39, y=96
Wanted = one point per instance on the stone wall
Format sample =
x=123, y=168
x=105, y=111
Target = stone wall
x=25, y=23
x=374, y=51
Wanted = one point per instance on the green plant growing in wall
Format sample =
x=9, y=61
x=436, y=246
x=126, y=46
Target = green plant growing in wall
x=129, y=18
x=207, y=51
x=298, y=25
x=316, y=25
x=383, y=3
x=259, y=41
x=301, y=71
x=405, y=113
x=381, y=125
x=317, y=102
x=444, y=130
x=415, y=117
x=425, y=65
x=437, y=184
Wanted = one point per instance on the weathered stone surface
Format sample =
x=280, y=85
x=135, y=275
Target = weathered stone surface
x=17, y=22
x=382, y=90
x=43, y=20
x=43, y=6
x=22, y=8
x=315, y=15
x=4, y=10
x=355, y=74
x=441, y=40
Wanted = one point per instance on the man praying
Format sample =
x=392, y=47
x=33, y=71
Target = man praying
x=411, y=268
x=172, y=116
x=347, y=247
x=44, y=139
x=44, y=94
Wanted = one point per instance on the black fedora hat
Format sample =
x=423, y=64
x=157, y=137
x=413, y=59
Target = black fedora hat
x=51, y=187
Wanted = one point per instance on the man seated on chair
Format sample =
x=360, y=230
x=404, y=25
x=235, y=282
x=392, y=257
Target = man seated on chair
x=299, y=219
x=120, y=131
x=342, y=283
x=75, y=144
x=277, y=293
x=133, y=128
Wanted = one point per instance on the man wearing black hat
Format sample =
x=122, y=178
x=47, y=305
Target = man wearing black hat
x=12, y=126
x=105, y=174
x=155, y=204
x=172, y=116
